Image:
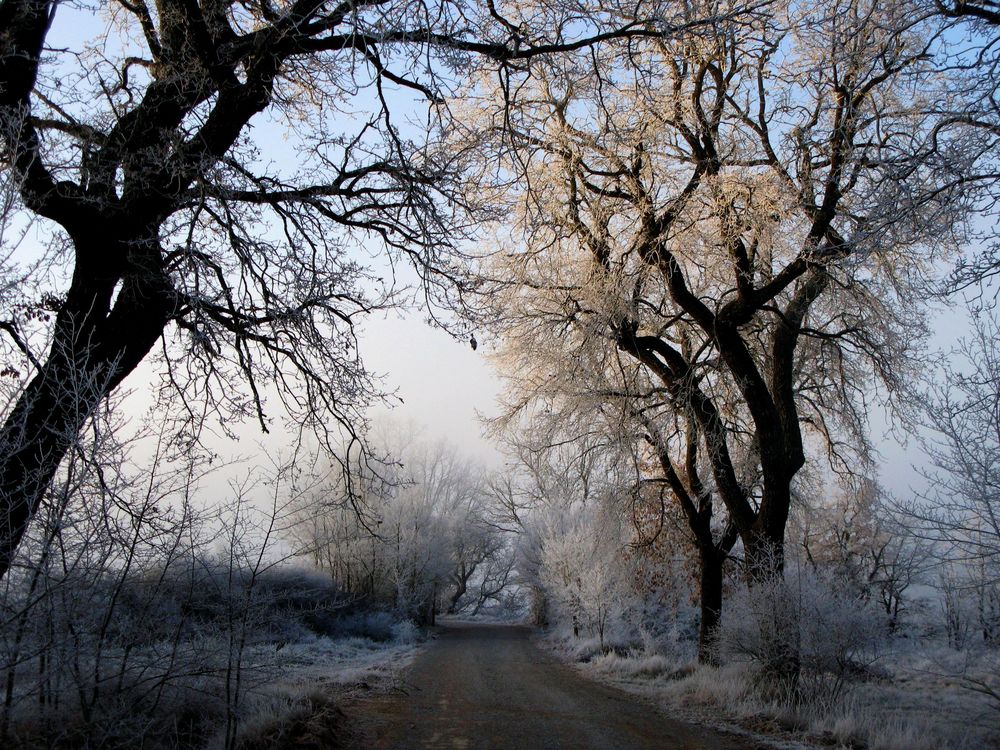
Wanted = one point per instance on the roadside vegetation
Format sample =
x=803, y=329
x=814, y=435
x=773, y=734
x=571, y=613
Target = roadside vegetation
x=705, y=243
x=136, y=616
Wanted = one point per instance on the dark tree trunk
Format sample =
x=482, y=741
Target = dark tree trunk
x=764, y=541
x=711, y=603
x=461, y=580
x=95, y=345
x=764, y=558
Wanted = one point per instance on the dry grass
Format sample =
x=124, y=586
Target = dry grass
x=312, y=722
x=901, y=712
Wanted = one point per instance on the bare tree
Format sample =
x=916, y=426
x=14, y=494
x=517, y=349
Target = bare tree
x=136, y=154
x=724, y=226
x=476, y=554
x=857, y=537
x=714, y=540
x=715, y=209
x=497, y=578
x=94, y=586
x=987, y=10
x=960, y=513
x=966, y=145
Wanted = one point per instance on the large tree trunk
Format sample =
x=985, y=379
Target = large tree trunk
x=711, y=603
x=95, y=345
x=764, y=557
x=764, y=541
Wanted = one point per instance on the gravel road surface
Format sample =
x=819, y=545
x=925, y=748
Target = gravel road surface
x=488, y=686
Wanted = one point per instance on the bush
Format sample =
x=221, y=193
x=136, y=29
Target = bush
x=313, y=722
x=835, y=636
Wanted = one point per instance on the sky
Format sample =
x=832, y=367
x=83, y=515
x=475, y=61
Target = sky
x=445, y=386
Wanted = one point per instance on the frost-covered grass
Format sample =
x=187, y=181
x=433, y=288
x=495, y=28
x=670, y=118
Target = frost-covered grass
x=301, y=706
x=350, y=661
x=175, y=664
x=873, y=715
x=862, y=683
x=921, y=701
x=292, y=687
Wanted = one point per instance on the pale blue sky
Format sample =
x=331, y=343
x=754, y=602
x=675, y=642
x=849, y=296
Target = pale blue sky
x=443, y=382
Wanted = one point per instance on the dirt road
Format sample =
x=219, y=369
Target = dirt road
x=481, y=686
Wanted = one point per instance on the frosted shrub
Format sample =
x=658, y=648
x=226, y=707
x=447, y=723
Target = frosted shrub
x=584, y=579
x=760, y=625
x=405, y=631
x=834, y=636
x=375, y=626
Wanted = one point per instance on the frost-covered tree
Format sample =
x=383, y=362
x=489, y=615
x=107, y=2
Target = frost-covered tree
x=610, y=410
x=411, y=534
x=857, y=538
x=729, y=218
x=960, y=512
x=595, y=544
x=585, y=573
x=145, y=141
x=716, y=235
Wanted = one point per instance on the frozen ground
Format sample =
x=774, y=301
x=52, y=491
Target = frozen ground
x=352, y=661
x=301, y=706
x=922, y=701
